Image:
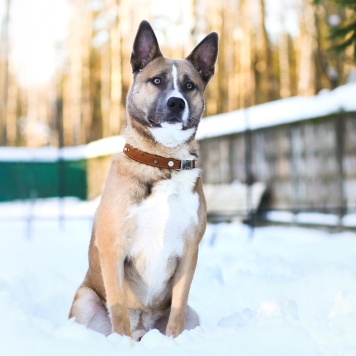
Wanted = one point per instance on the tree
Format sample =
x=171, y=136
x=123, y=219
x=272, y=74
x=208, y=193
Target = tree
x=283, y=56
x=306, y=50
x=346, y=32
x=264, y=71
x=343, y=34
x=4, y=71
x=77, y=114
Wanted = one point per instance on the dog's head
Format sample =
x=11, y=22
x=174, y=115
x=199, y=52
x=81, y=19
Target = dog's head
x=166, y=100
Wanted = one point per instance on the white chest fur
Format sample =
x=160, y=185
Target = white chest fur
x=162, y=219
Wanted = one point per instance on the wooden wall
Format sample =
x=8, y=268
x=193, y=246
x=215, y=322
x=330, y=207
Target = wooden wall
x=307, y=165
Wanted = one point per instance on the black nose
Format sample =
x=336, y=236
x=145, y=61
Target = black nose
x=176, y=104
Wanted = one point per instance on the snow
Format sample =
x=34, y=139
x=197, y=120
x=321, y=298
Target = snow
x=103, y=147
x=312, y=218
x=285, y=291
x=280, y=112
x=349, y=220
x=49, y=208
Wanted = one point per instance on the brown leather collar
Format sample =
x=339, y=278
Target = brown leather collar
x=157, y=161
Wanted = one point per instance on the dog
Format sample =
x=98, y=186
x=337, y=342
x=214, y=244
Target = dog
x=152, y=214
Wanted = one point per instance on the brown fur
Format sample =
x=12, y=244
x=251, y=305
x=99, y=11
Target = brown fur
x=111, y=297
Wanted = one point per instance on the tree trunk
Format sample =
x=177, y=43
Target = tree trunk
x=306, y=51
x=213, y=96
x=283, y=53
x=4, y=71
x=11, y=111
x=77, y=97
x=105, y=89
x=116, y=79
x=264, y=69
x=86, y=99
x=247, y=81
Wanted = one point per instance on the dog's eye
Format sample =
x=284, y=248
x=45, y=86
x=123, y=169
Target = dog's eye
x=189, y=86
x=156, y=81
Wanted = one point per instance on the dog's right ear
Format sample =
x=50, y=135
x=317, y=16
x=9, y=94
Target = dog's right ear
x=204, y=56
x=145, y=48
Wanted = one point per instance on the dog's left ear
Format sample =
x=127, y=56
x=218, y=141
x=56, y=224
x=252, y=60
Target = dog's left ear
x=145, y=48
x=204, y=55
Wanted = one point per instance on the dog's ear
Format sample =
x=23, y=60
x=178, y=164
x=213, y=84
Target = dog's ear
x=204, y=55
x=145, y=48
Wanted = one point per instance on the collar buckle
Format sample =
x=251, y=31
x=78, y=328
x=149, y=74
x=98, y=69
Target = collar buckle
x=187, y=164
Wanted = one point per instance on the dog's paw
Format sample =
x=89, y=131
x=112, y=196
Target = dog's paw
x=174, y=330
x=137, y=335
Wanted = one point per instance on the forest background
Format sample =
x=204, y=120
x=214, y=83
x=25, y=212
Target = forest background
x=65, y=65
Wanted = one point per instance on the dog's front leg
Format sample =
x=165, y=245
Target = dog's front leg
x=112, y=265
x=181, y=285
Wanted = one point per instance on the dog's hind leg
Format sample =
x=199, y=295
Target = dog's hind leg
x=89, y=310
x=191, y=320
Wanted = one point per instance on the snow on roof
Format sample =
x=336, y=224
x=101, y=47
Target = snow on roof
x=280, y=112
x=103, y=147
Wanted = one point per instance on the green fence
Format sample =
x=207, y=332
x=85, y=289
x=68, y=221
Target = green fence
x=24, y=180
x=80, y=172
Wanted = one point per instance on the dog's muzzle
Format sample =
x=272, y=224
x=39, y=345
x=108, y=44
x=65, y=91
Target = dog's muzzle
x=176, y=107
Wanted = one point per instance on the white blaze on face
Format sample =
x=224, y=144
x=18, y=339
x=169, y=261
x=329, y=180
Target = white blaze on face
x=178, y=94
x=172, y=135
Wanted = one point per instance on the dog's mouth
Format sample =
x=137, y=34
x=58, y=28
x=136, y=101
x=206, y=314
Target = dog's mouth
x=167, y=122
x=173, y=120
x=157, y=120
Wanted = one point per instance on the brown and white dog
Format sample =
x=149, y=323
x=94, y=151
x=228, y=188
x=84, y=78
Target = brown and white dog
x=152, y=214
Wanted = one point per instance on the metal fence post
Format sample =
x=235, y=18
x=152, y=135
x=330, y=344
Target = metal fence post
x=339, y=151
x=60, y=161
x=248, y=173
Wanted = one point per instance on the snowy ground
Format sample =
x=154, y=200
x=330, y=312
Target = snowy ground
x=286, y=291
